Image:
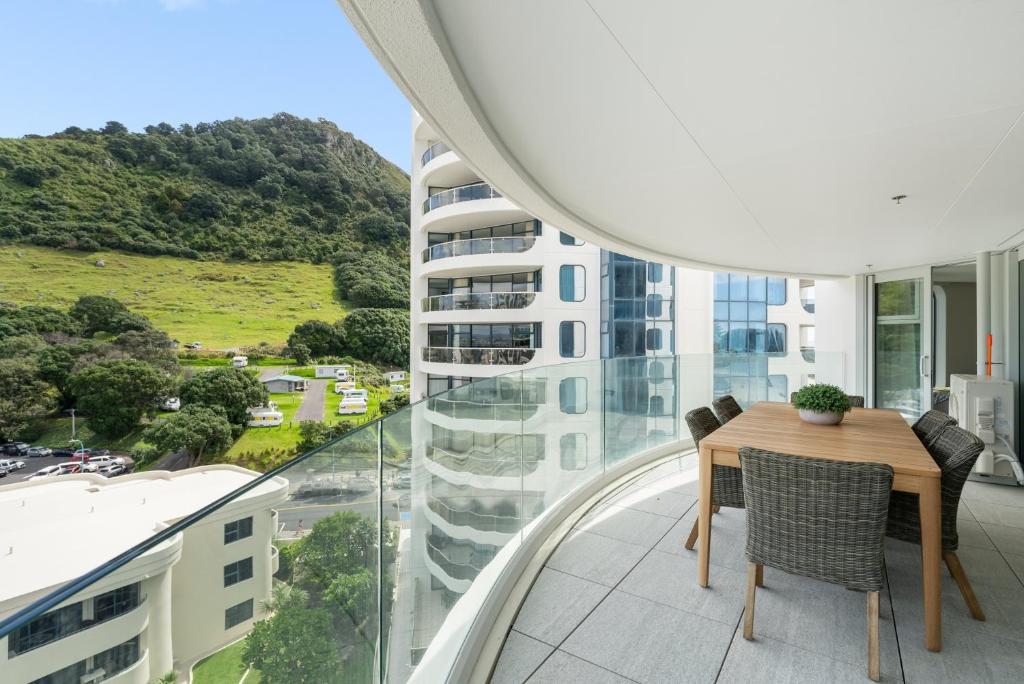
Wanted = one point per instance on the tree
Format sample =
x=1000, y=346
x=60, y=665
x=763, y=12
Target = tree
x=320, y=338
x=96, y=313
x=353, y=596
x=30, y=319
x=199, y=430
x=293, y=646
x=379, y=335
x=380, y=227
x=114, y=128
x=394, y=403
x=20, y=346
x=115, y=395
x=29, y=174
x=23, y=396
x=232, y=389
x=153, y=346
x=374, y=280
x=340, y=544
x=314, y=433
x=301, y=353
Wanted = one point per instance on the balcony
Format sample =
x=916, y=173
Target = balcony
x=473, y=301
x=483, y=356
x=465, y=193
x=458, y=248
x=435, y=150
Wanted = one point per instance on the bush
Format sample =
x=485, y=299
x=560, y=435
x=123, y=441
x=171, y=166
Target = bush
x=377, y=335
x=822, y=398
x=29, y=174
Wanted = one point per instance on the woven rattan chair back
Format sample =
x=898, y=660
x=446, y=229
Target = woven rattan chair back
x=726, y=408
x=815, y=517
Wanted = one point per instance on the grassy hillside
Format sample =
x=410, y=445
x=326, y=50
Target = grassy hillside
x=280, y=188
x=223, y=305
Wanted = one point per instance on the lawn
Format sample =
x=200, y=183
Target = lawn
x=56, y=432
x=260, y=439
x=224, y=667
x=332, y=401
x=224, y=305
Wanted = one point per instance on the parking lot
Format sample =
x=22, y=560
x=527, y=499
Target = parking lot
x=31, y=466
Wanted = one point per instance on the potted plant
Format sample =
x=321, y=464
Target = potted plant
x=821, y=404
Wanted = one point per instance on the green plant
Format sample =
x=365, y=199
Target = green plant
x=822, y=398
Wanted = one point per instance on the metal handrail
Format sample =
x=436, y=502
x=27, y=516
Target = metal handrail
x=512, y=244
x=473, y=301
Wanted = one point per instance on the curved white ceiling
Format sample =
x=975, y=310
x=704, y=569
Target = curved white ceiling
x=747, y=135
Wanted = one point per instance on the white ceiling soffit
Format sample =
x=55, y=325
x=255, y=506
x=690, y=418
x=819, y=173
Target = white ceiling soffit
x=743, y=135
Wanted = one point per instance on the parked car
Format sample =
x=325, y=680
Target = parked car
x=171, y=404
x=62, y=453
x=317, y=488
x=113, y=469
x=403, y=481
x=74, y=467
x=10, y=465
x=48, y=471
x=195, y=346
x=39, y=451
x=104, y=460
x=359, y=485
x=15, y=448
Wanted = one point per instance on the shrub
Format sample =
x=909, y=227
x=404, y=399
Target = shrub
x=822, y=398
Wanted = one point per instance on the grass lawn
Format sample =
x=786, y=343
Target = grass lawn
x=223, y=305
x=56, y=432
x=224, y=667
x=260, y=439
x=332, y=401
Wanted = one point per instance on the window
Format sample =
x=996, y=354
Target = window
x=778, y=388
x=237, y=614
x=572, y=395
x=657, y=406
x=239, y=571
x=571, y=339
x=654, y=340
x=636, y=296
x=73, y=618
x=112, y=661
x=237, y=529
x=572, y=283
x=116, y=602
x=654, y=305
x=654, y=272
x=568, y=240
x=573, y=449
x=776, y=291
x=776, y=341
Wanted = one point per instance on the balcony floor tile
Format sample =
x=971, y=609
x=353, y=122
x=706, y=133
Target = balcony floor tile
x=596, y=558
x=547, y=616
x=519, y=658
x=562, y=668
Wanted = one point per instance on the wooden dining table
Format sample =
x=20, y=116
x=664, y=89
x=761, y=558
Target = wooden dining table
x=865, y=435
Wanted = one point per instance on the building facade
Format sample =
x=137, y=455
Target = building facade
x=178, y=602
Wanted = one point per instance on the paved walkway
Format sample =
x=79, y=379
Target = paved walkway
x=312, y=406
x=618, y=601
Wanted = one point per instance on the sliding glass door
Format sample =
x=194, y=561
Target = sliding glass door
x=902, y=361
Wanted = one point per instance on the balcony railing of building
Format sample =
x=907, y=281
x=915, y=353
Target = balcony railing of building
x=599, y=424
x=484, y=356
x=498, y=245
x=463, y=193
x=472, y=301
x=435, y=150
x=478, y=520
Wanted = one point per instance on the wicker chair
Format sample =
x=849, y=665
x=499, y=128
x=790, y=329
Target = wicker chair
x=817, y=518
x=955, y=450
x=726, y=408
x=727, y=483
x=928, y=426
x=856, y=401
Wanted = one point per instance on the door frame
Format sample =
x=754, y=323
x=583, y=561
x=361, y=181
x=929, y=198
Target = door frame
x=926, y=362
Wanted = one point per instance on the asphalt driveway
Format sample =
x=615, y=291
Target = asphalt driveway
x=312, y=406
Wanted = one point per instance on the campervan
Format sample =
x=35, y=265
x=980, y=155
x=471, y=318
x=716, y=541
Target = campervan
x=351, y=405
x=341, y=386
x=342, y=374
x=399, y=389
x=240, y=361
x=356, y=394
x=264, y=416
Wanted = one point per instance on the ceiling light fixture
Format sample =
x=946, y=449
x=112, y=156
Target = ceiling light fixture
x=899, y=199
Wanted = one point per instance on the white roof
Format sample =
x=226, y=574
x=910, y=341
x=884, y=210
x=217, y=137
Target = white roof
x=54, y=530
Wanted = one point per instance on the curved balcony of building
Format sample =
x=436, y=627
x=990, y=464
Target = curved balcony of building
x=468, y=206
x=480, y=306
x=440, y=166
x=479, y=356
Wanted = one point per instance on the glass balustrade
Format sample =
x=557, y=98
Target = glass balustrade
x=491, y=356
x=471, y=301
x=435, y=150
x=367, y=559
x=499, y=245
x=463, y=193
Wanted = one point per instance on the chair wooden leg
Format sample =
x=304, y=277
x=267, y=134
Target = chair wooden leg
x=692, y=539
x=873, y=667
x=957, y=571
x=760, y=576
x=753, y=569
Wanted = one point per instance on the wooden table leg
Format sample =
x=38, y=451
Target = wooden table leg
x=704, y=517
x=931, y=560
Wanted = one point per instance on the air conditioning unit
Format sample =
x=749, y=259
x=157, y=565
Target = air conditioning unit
x=984, y=406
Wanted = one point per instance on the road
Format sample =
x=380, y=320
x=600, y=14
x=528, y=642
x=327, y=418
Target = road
x=308, y=512
x=312, y=407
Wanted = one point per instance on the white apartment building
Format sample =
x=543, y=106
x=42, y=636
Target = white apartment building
x=496, y=292
x=180, y=601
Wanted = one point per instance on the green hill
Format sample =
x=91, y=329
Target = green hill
x=223, y=305
x=273, y=189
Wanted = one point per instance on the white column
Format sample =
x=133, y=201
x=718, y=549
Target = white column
x=984, y=305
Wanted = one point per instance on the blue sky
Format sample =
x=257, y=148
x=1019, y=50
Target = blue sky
x=84, y=62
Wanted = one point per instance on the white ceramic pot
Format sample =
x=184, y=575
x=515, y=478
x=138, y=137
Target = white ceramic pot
x=821, y=418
